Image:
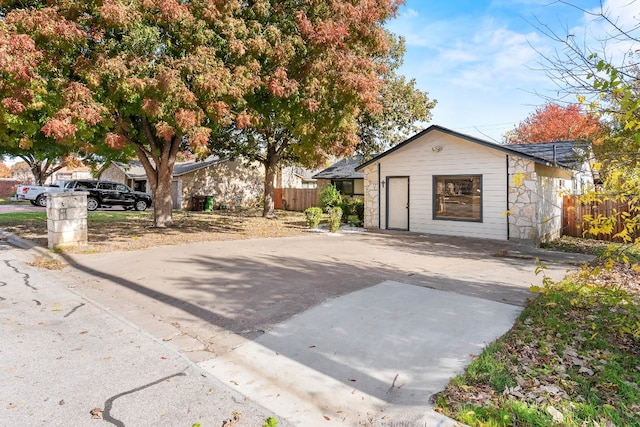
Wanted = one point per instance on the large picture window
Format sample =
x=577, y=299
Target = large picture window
x=457, y=197
x=349, y=187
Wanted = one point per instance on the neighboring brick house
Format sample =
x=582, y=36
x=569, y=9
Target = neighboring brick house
x=231, y=183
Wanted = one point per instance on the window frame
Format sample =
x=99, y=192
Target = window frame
x=439, y=217
x=353, y=186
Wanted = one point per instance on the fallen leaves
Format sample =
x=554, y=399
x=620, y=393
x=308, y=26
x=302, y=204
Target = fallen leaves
x=235, y=418
x=96, y=413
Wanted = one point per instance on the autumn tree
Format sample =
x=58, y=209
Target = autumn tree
x=44, y=114
x=603, y=74
x=5, y=171
x=323, y=63
x=21, y=171
x=152, y=75
x=557, y=123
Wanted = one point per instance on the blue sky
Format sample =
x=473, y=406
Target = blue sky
x=478, y=58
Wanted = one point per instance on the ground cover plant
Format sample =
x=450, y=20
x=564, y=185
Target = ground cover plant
x=571, y=359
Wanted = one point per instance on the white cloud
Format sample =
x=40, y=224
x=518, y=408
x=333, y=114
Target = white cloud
x=409, y=13
x=482, y=69
x=625, y=13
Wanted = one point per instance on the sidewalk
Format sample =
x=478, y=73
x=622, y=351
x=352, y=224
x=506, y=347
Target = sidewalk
x=63, y=356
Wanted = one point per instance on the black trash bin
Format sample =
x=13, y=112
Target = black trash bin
x=197, y=203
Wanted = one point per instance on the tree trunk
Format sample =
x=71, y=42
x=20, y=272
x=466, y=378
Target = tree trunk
x=270, y=169
x=36, y=170
x=162, y=202
x=159, y=169
x=269, y=203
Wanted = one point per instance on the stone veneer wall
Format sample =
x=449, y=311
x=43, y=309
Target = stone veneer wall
x=231, y=183
x=523, y=200
x=371, y=196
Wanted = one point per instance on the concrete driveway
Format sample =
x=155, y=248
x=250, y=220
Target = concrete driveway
x=358, y=328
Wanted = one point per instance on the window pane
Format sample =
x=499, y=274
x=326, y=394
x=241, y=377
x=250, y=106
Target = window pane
x=106, y=186
x=458, y=197
x=345, y=187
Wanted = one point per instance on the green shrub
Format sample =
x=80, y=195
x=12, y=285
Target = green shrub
x=270, y=422
x=358, y=207
x=335, y=214
x=329, y=197
x=345, y=205
x=354, y=221
x=313, y=215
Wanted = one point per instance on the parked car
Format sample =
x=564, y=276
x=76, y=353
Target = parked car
x=36, y=194
x=108, y=193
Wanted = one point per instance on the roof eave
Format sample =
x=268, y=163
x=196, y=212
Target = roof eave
x=469, y=138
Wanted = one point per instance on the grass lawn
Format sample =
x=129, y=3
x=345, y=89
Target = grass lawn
x=571, y=359
x=131, y=230
x=6, y=201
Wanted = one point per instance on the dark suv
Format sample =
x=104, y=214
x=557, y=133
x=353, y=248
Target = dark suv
x=108, y=193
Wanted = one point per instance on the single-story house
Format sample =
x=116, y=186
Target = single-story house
x=67, y=173
x=231, y=183
x=295, y=177
x=443, y=182
x=343, y=176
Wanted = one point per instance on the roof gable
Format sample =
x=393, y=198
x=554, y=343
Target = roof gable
x=565, y=155
x=344, y=169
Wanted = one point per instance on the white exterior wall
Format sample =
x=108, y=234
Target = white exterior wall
x=420, y=163
x=552, y=184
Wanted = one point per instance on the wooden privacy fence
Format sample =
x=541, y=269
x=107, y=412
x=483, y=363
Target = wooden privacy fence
x=295, y=199
x=574, y=211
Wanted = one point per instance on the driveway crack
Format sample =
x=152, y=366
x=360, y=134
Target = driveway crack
x=108, y=404
x=26, y=278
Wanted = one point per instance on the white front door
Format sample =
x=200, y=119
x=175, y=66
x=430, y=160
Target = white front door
x=398, y=203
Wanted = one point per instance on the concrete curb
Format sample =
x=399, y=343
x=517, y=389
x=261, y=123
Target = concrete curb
x=26, y=244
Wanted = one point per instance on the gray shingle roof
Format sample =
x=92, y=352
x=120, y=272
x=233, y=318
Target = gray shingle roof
x=134, y=169
x=344, y=169
x=562, y=152
x=538, y=149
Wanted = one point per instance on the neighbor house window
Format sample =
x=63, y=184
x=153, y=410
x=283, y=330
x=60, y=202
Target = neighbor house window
x=349, y=187
x=457, y=197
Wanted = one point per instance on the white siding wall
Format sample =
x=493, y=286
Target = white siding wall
x=420, y=162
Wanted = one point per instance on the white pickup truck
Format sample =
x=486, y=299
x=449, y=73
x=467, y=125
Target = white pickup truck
x=36, y=194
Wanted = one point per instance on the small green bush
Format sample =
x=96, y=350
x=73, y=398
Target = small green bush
x=354, y=221
x=329, y=197
x=270, y=422
x=359, y=208
x=353, y=206
x=313, y=215
x=335, y=215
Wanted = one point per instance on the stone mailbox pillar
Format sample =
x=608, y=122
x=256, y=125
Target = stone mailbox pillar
x=67, y=218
